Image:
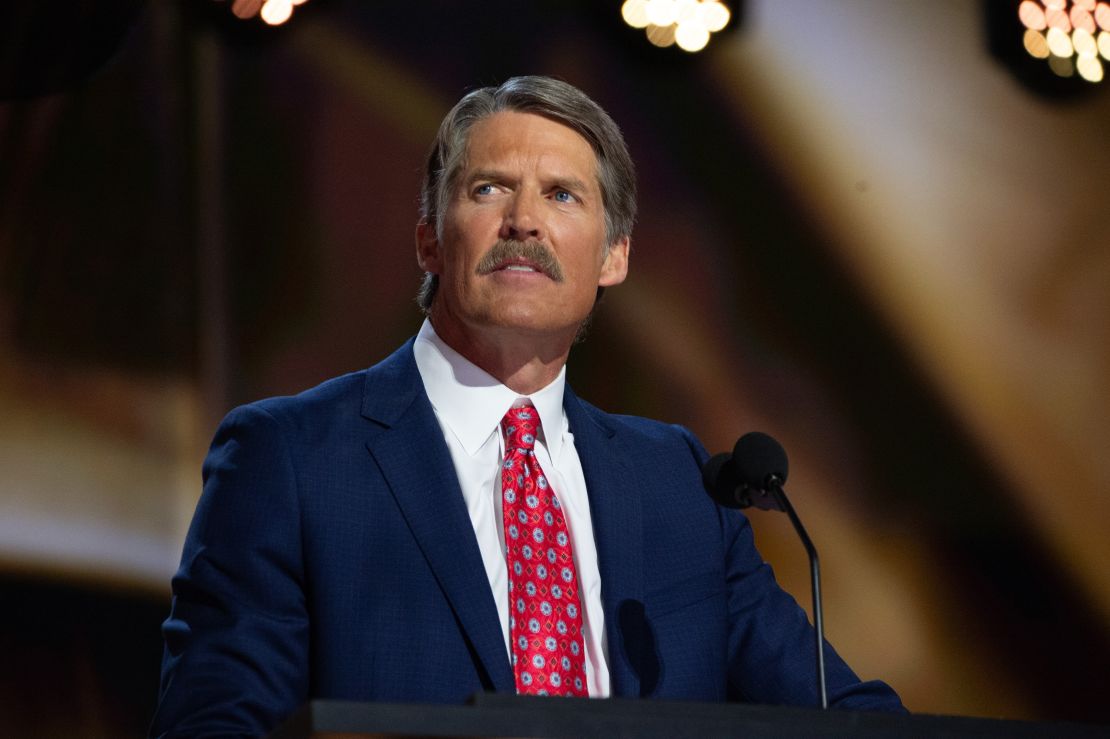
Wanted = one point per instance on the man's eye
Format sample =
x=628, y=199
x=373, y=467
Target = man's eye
x=563, y=196
x=485, y=189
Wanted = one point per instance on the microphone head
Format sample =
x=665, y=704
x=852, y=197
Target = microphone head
x=719, y=477
x=759, y=461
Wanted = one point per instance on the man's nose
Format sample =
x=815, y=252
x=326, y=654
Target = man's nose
x=522, y=220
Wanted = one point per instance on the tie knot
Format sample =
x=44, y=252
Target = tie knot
x=519, y=426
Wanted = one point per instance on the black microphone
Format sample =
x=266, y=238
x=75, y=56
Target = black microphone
x=760, y=460
x=719, y=477
x=748, y=476
x=753, y=475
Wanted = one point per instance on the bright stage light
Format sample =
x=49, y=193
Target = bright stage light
x=272, y=12
x=635, y=13
x=689, y=24
x=276, y=12
x=1070, y=34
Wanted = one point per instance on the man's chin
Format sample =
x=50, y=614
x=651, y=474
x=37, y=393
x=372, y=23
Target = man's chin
x=532, y=319
x=536, y=321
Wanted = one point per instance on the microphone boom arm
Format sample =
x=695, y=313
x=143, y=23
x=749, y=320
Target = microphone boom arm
x=777, y=491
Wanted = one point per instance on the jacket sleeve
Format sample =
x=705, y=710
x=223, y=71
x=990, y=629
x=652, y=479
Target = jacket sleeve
x=236, y=640
x=771, y=649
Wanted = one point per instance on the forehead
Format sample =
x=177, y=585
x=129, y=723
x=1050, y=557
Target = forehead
x=511, y=139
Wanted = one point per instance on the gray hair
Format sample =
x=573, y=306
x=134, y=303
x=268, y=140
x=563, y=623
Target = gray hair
x=550, y=98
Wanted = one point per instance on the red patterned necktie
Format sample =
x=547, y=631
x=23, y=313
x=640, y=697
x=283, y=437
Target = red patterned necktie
x=545, y=614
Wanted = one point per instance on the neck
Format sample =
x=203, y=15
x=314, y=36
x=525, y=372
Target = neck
x=522, y=362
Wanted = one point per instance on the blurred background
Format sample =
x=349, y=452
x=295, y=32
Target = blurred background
x=877, y=231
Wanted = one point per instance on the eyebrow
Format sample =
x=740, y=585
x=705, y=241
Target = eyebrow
x=484, y=174
x=567, y=183
x=572, y=183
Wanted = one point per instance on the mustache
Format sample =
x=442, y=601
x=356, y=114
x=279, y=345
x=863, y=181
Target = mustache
x=533, y=252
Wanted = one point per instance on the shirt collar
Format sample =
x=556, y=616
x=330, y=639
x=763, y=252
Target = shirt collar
x=471, y=402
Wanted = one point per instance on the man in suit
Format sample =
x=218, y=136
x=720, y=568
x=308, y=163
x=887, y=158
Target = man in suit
x=454, y=519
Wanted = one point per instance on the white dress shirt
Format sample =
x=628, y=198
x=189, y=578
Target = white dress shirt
x=469, y=404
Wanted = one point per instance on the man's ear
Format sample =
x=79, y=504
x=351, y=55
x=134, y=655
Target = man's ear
x=427, y=246
x=615, y=267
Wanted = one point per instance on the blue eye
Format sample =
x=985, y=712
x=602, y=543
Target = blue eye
x=485, y=189
x=564, y=197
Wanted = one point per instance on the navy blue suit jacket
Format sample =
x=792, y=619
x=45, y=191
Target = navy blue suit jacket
x=331, y=556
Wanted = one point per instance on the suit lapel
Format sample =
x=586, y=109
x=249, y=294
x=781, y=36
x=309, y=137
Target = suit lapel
x=618, y=530
x=406, y=441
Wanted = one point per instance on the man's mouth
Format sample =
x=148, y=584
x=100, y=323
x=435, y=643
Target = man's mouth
x=518, y=267
x=521, y=257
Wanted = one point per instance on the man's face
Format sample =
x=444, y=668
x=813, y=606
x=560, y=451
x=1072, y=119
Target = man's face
x=525, y=179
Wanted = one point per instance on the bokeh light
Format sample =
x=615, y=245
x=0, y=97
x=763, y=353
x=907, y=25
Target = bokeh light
x=1070, y=35
x=1036, y=44
x=276, y=12
x=661, y=36
x=635, y=13
x=688, y=24
x=272, y=12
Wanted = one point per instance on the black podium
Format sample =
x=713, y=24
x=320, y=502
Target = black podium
x=491, y=715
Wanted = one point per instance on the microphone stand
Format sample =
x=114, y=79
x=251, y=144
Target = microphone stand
x=775, y=485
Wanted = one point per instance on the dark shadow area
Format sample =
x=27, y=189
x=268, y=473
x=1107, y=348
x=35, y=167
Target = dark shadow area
x=78, y=660
x=638, y=645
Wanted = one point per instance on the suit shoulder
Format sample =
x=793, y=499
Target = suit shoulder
x=646, y=431
x=325, y=398
x=338, y=397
